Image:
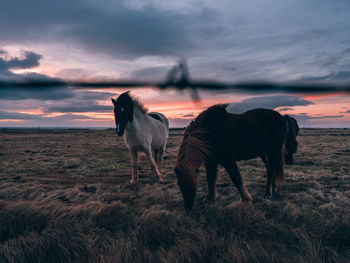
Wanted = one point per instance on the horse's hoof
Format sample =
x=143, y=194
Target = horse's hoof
x=132, y=181
x=247, y=199
x=209, y=200
x=268, y=196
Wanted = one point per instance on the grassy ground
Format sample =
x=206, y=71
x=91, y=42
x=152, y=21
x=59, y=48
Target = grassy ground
x=64, y=197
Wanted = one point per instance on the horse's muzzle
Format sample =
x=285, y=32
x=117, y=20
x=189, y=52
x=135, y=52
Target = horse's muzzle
x=188, y=194
x=120, y=132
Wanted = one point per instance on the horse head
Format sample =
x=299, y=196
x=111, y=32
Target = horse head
x=123, y=112
x=188, y=185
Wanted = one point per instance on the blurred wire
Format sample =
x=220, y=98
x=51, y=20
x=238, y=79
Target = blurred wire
x=178, y=78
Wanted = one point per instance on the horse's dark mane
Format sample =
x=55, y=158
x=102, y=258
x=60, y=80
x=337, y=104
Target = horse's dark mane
x=139, y=105
x=195, y=147
x=136, y=102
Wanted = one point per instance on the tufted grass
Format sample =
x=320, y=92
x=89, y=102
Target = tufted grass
x=65, y=197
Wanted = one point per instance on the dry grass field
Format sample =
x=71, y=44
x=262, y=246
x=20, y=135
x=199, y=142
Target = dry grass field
x=65, y=197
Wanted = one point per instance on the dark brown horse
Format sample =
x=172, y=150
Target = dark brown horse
x=217, y=137
x=291, y=144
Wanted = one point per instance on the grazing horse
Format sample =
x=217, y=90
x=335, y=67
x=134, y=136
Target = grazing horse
x=291, y=144
x=218, y=137
x=142, y=132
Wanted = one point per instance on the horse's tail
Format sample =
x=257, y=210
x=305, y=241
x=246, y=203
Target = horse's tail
x=166, y=121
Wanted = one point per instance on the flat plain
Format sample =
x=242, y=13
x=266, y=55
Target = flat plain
x=65, y=197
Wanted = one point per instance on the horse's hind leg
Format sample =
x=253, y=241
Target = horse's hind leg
x=232, y=170
x=160, y=157
x=212, y=173
x=156, y=155
x=151, y=161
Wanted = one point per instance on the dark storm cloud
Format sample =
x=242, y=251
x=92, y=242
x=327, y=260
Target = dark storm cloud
x=258, y=40
x=22, y=93
x=269, y=102
x=119, y=30
x=93, y=95
x=64, y=98
x=30, y=60
x=151, y=73
x=137, y=32
x=14, y=93
x=334, y=76
x=84, y=101
x=5, y=115
x=285, y=109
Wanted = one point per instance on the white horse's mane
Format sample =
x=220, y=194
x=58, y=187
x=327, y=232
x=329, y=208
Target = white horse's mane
x=139, y=105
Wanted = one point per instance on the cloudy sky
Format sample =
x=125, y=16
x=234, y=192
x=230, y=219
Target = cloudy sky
x=231, y=40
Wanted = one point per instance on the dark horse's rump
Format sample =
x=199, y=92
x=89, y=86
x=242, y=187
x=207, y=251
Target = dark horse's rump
x=220, y=138
x=291, y=144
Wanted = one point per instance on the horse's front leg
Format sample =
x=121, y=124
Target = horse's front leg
x=134, y=163
x=232, y=170
x=271, y=180
x=148, y=152
x=212, y=173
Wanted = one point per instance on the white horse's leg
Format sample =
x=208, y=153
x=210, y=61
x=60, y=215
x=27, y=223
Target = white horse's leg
x=156, y=155
x=148, y=152
x=160, y=157
x=134, y=163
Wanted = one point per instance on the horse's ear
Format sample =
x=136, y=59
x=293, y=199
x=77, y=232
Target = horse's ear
x=114, y=101
x=126, y=93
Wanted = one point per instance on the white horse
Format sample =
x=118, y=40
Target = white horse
x=142, y=132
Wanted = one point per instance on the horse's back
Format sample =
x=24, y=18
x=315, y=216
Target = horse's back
x=271, y=122
x=245, y=135
x=160, y=117
x=158, y=129
x=256, y=120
